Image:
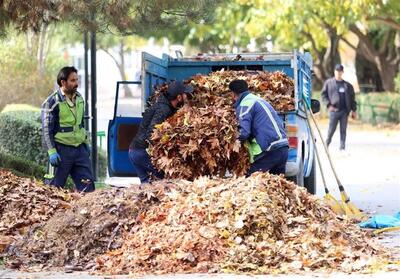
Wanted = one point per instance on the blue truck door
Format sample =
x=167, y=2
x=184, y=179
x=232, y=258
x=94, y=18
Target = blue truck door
x=123, y=127
x=128, y=114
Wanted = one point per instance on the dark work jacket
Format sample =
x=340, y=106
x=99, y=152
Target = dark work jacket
x=330, y=95
x=155, y=114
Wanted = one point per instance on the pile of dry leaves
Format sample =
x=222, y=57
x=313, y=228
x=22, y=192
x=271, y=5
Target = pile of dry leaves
x=261, y=224
x=93, y=225
x=201, y=139
x=25, y=202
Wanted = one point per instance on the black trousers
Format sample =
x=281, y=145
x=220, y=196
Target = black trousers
x=336, y=117
x=273, y=161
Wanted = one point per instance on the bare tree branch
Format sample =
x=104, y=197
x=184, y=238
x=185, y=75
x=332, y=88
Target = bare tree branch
x=111, y=55
x=385, y=45
x=370, y=52
x=390, y=22
x=349, y=44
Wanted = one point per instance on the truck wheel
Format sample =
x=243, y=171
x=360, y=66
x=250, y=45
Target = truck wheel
x=299, y=178
x=310, y=182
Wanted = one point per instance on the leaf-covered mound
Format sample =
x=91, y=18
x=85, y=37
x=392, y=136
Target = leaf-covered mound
x=260, y=224
x=92, y=226
x=201, y=139
x=25, y=202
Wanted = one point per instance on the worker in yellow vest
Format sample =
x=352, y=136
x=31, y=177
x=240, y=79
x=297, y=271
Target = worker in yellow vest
x=64, y=135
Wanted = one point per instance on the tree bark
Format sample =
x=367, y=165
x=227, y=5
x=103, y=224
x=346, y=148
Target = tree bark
x=41, y=57
x=331, y=52
x=324, y=59
x=386, y=58
x=388, y=21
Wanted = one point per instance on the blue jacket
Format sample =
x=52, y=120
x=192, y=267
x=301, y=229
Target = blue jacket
x=258, y=120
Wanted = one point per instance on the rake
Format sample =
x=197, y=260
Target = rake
x=330, y=200
x=350, y=209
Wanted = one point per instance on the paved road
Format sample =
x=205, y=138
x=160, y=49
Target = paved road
x=370, y=172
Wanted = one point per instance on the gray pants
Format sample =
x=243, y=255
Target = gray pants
x=334, y=118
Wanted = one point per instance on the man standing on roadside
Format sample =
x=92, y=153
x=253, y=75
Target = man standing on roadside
x=64, y=135
x=339, y=97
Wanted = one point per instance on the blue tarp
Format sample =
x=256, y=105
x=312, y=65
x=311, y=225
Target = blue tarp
x=382, y=221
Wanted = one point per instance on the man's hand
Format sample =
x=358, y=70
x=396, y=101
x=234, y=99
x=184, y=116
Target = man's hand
x=332, y=109
x=353, y=115
x=54, y=159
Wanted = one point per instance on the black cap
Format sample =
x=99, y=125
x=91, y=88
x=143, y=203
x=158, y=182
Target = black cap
x=339, y=67
x=238, y=86
x=176, y=88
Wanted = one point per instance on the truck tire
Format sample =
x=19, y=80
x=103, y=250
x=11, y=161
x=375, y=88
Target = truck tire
x=299, y=178
x=310, y=182
x=300, y=175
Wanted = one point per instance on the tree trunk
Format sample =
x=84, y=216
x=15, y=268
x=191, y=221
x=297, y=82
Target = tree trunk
x=386, y=58
x=122, y=70
x=120, y=63
x=331, y=53
x=387, y=72
x=324, y=59
x=41, y=57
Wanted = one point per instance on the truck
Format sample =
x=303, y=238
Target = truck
x=300, y=166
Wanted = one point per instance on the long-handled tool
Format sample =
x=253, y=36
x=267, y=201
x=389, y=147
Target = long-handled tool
x=330, y=200
x=350, y=209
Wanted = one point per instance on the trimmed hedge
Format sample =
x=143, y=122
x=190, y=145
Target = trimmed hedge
x=379, y=107
x=374, y=107
x=21, y=167
x=21, y=136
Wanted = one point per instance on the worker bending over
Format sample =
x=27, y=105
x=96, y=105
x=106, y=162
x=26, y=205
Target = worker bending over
x=261, y=130
x=165, y=106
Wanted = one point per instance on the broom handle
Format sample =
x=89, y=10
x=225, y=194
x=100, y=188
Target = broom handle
x=317, y=154
x=341, y=188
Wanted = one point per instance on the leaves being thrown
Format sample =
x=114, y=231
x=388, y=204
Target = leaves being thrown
x=201, y=138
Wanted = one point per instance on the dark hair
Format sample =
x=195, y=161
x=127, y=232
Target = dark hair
x=64, y=73
x=238, y=86
x=176, y=88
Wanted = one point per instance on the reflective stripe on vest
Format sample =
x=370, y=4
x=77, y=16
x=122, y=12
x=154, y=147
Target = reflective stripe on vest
x=253, y=147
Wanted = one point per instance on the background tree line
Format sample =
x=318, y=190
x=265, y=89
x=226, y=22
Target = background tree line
x=34, y=34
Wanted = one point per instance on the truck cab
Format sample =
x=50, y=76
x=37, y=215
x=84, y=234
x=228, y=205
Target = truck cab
x=300, y=166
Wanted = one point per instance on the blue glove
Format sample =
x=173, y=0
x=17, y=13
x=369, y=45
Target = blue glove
x=54, y=159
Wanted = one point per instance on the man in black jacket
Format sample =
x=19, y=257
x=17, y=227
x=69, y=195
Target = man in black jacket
x=165, y=106
x=339, y=97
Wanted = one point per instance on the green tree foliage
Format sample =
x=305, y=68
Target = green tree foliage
x=22, y=79
x=124, y=16
x=314, y=25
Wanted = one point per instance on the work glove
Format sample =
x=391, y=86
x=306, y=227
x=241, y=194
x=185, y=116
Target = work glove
x=54, y=159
